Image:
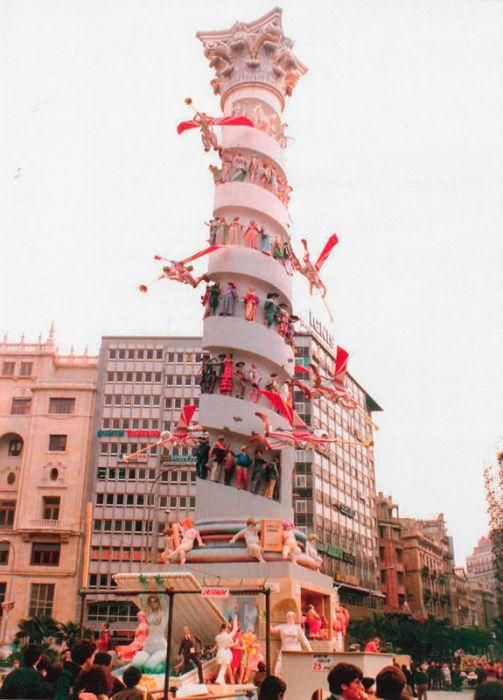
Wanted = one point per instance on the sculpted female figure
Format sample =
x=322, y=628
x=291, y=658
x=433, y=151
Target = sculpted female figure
x=140, y=635
x=292, y=638
x=152, y=656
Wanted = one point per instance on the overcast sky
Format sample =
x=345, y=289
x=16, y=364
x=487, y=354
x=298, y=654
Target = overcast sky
x=398, y=148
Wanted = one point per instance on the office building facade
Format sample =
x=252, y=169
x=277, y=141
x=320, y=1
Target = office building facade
x=143, y=383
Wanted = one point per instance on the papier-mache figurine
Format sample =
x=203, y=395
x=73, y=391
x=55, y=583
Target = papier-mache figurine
x=234, y=232
x=292, y=638
x=253, y=168
x=265, y=241
x=271, y=309
x=283, y=320
x=214, y=298
x=189, y=535
x=311, y=550
x=227, y=158
x=228, y=299
x=206, y=374
x=240, y=379
x=222, y=230
x=223, y=644
x=251, y=302
x=251, y=535
x=255, y=379
x=240, y=167
x=291, y=549
x=140, y=635
x=152, y=656
x=340, y=622
x=226, y=384
x=212, y=225
x=251, y=236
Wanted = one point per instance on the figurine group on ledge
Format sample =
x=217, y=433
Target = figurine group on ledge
x=271, y=124
x=240, y=167
x=222, y=302
x=253, y=236
x=218, y=461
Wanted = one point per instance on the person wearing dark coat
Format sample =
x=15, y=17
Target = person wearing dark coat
x=188, y=652
x=82, y=655
x=26, y=681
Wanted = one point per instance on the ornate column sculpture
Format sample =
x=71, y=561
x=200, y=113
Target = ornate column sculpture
x=254, y=71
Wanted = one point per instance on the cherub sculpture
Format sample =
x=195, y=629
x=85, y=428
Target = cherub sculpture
x=206, y=123
x=312, y=271
x=291, y=549
x=179, y=270
x=189, y=535
x=251, y=535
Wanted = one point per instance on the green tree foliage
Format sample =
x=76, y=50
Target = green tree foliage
x=421, y=639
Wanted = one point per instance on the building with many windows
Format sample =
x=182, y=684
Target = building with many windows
x=46, y=409
x=143, y=384
x=335, y=489
x=428, y=560
x=481, y=572
x=391, y=555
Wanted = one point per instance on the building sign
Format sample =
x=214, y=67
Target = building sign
x=322, y=662
x=143, y=433
x=175, y=459
x=215, y=592
x=335, y=552
x=346, y=578
x=138, y=459
x=346, y=510
x=348, y=558
x=271, y=535
x=110, y=433
x=320, y=329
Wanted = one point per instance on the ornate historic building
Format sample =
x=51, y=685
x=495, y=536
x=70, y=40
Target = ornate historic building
x=391, y=560
x=493, y=480
x=46, y=409
x=428, y=560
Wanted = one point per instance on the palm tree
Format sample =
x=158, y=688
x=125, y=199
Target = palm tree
x=67, y=633
x=38, y=629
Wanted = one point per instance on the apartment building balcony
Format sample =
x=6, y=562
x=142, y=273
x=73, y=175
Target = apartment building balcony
x=62, y=529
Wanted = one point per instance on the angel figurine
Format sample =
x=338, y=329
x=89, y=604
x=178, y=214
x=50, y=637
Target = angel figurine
x=251, y=535
x=205, y=123
x=189, y=535
x=291, y=549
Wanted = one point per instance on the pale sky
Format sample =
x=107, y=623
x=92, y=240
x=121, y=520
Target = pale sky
x=398, y=148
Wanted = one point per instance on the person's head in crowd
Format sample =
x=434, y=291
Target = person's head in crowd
x=272, y=688
x=390, y=683
x=368, y=684
x=82, y=653
x=103, y=658
x=92, y=680
x=31, y=655
x=490, y=690
x=132, y=676
x=53, y=672
x=44, y=664
x=346, y=680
